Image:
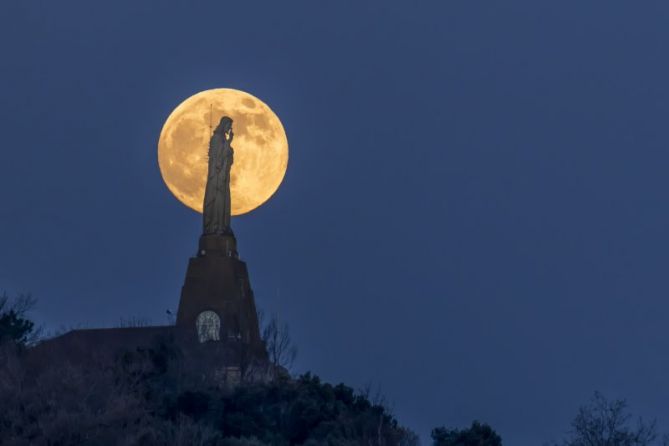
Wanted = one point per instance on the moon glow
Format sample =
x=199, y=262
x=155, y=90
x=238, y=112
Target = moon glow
x=260, y=148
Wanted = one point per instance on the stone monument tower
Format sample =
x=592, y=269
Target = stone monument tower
x=217, y=303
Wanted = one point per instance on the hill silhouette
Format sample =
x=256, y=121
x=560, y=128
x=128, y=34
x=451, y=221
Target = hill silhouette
x=156, y=396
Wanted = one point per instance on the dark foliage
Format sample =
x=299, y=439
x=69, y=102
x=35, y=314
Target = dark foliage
x=150, y=397
x=14, y=326
x=477, y=435
x=193, y=404
x=306, y=411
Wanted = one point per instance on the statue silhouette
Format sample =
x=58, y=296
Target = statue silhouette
x=216, y=214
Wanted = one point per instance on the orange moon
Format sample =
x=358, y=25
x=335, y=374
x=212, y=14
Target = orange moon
x=260, y=145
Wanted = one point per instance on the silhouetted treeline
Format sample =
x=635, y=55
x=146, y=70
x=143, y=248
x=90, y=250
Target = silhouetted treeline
x=150, y=396
x=142, y=398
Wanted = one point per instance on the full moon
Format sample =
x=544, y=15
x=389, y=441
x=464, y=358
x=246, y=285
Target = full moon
x=260, y=145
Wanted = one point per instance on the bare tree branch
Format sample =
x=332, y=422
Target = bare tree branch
x=278, y=342
x=606, y=423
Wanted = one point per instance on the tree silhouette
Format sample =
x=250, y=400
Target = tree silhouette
x=14, y=326
x=477, y=435
x=278, y=342
x=602, y=422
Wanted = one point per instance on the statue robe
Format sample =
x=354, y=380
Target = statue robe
x=216, y=214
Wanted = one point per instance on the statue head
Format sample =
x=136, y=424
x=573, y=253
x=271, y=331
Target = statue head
x=225, y=125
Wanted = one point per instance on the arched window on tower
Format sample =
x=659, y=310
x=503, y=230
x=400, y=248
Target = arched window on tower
x=208, y=326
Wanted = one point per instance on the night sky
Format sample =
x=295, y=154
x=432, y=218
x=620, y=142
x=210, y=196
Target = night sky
x=474, y=217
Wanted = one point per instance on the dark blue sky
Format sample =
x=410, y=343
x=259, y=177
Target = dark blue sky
x=475, y=211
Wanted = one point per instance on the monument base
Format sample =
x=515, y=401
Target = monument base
x=217, y=281
x=218, y=245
